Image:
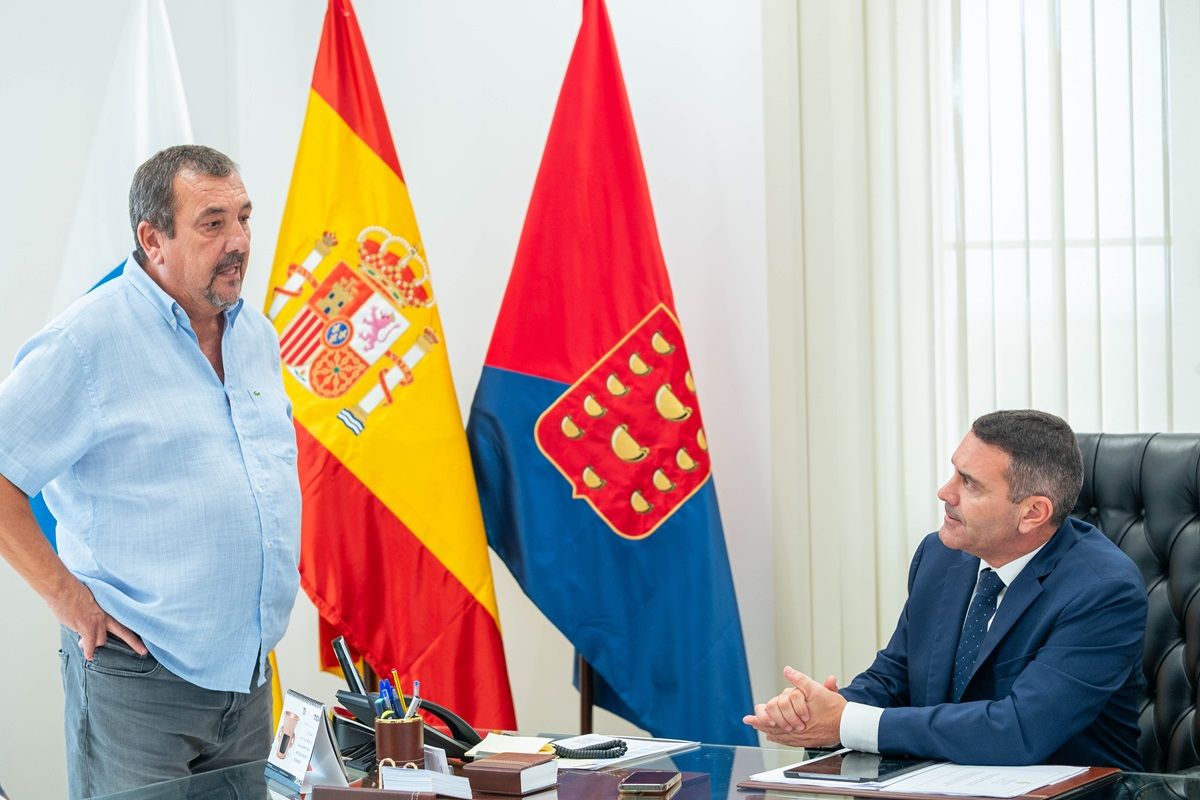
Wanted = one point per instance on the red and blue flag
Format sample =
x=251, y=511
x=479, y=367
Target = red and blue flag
x=586, y=435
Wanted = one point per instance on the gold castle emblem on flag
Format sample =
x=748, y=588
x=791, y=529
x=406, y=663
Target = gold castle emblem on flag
x=356, y=331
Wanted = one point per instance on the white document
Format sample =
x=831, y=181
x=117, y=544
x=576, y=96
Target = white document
x=956, y=779
x=638, y=749
x=503, y=743
x=947, y=779
x=435, y=760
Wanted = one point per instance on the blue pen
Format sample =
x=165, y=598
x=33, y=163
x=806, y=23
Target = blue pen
x=394, y=698
x=383, y=695
x=385, y=692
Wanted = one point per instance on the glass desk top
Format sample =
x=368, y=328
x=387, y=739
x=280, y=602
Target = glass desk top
x=712, y=772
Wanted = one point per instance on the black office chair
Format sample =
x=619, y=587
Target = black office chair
x=1143, y=491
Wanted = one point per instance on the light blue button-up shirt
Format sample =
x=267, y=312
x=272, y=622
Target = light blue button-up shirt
x=176, y=494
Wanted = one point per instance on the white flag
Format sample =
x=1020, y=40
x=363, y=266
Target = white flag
x=144, y=111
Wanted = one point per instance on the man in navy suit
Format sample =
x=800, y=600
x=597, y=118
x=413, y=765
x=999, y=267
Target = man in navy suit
x=1021, y=639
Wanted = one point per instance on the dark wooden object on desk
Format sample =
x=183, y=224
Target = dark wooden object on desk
x=512, y=773
x=357, y=793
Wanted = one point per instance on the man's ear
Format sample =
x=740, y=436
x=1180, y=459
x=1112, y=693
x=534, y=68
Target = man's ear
x=1036, y=511
x=151, y=240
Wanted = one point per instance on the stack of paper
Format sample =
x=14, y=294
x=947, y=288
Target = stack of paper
x=503, y=743
x=424, y=780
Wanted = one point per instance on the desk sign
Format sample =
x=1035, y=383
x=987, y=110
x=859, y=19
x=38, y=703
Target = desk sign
x=303, y=754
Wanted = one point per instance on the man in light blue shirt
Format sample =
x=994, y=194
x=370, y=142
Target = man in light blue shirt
x=152, y=416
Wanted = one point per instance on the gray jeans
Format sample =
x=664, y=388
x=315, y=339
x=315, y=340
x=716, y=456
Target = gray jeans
x=130, y=722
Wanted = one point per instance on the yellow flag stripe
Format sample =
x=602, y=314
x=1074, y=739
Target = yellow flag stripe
x=413, y=453
x=276, y=688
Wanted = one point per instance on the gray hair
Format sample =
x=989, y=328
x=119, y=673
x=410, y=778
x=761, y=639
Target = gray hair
x=152, y=196
x=1045, y=456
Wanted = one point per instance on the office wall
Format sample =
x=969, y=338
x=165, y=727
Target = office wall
x=469, y=88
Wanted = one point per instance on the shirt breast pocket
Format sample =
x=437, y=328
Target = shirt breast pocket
x=270, y=423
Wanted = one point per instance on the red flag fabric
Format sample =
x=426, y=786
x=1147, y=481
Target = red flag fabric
x=586, y=432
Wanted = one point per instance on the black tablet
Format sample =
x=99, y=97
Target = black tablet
x=856, y=767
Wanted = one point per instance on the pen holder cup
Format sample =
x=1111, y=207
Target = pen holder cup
x=401, y=740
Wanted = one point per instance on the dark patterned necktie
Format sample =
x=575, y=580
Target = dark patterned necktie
x=983, y=606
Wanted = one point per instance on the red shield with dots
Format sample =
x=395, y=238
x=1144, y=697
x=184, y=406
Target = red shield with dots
x=628, y=435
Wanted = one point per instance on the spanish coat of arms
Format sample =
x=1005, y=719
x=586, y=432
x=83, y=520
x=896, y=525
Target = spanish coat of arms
x=354, y=319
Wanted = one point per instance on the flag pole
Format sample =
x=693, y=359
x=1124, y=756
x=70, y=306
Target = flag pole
x=585, y=696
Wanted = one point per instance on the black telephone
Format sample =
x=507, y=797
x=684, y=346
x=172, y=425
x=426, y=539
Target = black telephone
x=361, y=704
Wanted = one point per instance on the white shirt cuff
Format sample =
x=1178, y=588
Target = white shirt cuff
x=860, y=727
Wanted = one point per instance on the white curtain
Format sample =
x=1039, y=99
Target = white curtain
x=971, y=205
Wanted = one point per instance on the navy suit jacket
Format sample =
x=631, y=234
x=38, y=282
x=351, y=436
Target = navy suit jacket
x=1058, y=679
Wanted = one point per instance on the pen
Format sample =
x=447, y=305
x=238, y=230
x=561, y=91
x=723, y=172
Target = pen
x=397, y=699
x=401, y=704
x=399, y=692
x=383, y=695
x=397, y=704
x=412, y=707
x=416, y=700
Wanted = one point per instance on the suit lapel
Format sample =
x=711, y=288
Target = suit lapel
x=956, y=593
x=1024, y=590
x=1017, y=598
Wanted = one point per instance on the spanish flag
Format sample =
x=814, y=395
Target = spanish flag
x=393, y=549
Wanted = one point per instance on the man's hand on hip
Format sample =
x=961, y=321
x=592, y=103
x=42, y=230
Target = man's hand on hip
x=24, y=547
x=75, y=607
x=807, y=714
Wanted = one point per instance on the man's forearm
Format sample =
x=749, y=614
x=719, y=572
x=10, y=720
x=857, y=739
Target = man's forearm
x=24, y=547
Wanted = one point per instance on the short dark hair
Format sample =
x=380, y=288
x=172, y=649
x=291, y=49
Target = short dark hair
x=1045, y=456
x=152, y=195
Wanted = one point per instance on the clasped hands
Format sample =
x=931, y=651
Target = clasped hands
x=807, y=714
